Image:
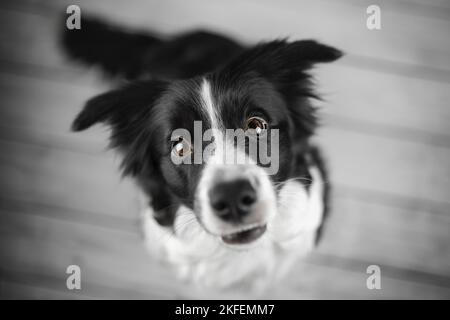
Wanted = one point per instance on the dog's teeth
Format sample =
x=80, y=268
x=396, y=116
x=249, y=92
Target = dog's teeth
x=245, y=228
x=245, y=235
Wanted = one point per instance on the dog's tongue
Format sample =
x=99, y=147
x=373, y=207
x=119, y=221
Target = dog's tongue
x=244, y=237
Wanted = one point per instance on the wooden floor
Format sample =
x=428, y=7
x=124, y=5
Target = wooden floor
x=386, y=133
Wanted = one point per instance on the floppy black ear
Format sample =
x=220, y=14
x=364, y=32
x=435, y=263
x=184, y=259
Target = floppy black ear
x=312, y=51
x=127, y=112
x=119, y=107
x=281, y=60
x=124, y=110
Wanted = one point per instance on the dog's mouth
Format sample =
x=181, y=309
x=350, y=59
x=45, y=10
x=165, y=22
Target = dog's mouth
x=245, y=235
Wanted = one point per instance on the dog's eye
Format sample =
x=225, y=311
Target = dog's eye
x=258, y=124
x=181, y=147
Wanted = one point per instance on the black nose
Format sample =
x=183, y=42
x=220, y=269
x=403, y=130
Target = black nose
x=232, y=200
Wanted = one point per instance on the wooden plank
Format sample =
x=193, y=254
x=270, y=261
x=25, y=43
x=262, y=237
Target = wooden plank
x=341, y=25
x=10, y=290
x=33, y=39
x=387, y=235
x=48, y=108
x=43, y=103
x=437, y=4
x=128, y=223
x=379, y=164
x=115, y=260
x=66, y=179
x=113, y=263
x=314, y=277
x=390, y=105
x=313, y=281
x=438, y=9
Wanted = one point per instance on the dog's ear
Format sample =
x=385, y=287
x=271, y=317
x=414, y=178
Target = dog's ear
x=309, y=51
x=123, y=109
x=281, y=60
x=120, y=107
x=126, y=111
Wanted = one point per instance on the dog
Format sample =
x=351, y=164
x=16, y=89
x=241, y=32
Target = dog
x=221, y=225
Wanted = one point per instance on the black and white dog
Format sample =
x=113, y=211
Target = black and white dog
x=222, y=224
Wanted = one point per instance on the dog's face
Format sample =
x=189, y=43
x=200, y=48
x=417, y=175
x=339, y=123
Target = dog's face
x=176, y=136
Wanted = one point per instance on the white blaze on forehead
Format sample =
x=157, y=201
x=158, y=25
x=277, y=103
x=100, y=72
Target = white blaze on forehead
x=208, y=104
x=210, y=110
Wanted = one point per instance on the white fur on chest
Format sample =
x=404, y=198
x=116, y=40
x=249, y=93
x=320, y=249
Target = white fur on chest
x=206, y=260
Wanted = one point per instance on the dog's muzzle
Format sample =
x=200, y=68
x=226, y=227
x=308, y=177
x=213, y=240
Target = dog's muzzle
x=232, y=201
x=238, y=201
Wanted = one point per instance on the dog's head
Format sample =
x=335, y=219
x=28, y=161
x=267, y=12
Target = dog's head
x=218, y=143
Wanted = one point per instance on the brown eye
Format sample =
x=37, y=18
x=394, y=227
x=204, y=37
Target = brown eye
x=258, y=124
x=181, y=147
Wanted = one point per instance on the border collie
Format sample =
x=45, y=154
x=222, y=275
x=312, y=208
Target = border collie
x=223, y=225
